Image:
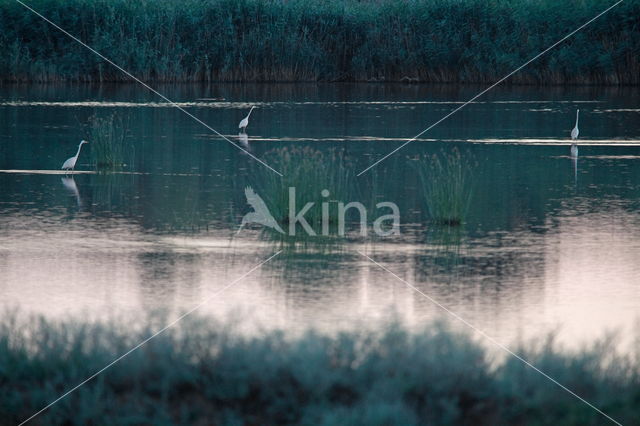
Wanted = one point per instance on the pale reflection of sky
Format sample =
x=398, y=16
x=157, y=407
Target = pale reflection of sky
x=579, y=278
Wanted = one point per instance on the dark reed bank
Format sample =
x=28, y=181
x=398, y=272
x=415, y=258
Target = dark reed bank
x=201, y=372
x=335, y=40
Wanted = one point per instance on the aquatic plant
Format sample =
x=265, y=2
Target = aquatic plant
x=447, y=186
x=334, y=40
x=202, y=372
x=109, y=145
x=312, y=173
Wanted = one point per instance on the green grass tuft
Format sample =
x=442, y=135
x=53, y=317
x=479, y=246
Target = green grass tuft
x=109, y=145
x=446, y=180
x=309, y=171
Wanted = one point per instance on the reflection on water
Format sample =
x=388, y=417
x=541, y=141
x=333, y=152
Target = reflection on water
x=70, y=184
x=216, y=103
x=549, y=241
x=243, y=138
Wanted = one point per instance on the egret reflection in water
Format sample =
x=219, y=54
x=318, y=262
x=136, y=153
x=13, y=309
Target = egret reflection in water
x=70, y=185
x=243, y=138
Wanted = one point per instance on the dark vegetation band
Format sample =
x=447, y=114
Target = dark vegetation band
x=473, y=41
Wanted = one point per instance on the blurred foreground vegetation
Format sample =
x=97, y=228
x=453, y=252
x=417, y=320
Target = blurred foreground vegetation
x=335, y=40
x=203, y=372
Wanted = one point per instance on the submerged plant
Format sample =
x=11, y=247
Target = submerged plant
x=446, y=183
x=108, y=139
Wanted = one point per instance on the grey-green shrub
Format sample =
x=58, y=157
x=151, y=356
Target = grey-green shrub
x=202, y=372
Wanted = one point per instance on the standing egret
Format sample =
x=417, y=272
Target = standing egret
x=245, y=121
x=574, y=136
x=70, y=164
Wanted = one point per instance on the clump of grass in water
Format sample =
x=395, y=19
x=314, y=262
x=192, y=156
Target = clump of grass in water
x=108, y=141
x=309, y=171
x=447, y=187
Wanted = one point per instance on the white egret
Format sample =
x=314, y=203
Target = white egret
x=574, y=136
x=70, y=164
x=245, y=121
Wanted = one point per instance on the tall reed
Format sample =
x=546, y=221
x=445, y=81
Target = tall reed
x=110, y=148
x=310, y=172
x=446, y=180
x=333, y=40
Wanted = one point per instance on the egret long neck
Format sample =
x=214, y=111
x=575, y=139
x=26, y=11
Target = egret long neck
x=577, y=117
x=250, y=112
x=79, y=148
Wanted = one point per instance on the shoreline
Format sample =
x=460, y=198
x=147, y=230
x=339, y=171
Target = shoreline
x=126, y=83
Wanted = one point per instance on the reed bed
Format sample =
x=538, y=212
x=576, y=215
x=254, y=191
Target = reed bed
x=334, y=40
x=202, y=372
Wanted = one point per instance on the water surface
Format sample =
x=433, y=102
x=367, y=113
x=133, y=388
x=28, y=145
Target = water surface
x=548, y=244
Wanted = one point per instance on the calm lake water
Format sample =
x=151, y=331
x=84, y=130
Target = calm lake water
x=547, y=245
